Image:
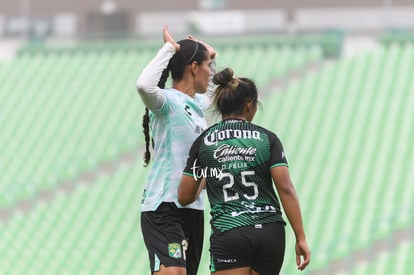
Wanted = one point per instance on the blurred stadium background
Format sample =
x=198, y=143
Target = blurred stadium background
x=336, y=83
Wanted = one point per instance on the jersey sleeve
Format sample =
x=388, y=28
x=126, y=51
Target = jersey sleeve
x=147, y=82
x=277, y=155
x=192, y=164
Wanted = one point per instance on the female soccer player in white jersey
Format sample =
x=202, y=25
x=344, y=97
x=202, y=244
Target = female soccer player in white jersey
x=241, y=162
x=172, y=234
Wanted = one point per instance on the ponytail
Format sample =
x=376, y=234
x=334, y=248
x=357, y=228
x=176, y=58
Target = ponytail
x=145, y=125
x=232, y=93
x=146, y=120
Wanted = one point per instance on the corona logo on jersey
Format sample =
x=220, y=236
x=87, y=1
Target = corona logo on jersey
x=219, y=135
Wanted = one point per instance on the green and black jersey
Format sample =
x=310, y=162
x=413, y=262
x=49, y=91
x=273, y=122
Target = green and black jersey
x=236, y=156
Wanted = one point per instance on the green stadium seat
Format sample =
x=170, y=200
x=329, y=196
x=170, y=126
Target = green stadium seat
x=71, y=111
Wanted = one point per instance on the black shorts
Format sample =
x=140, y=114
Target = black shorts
x=173, y=236
x=262, y=247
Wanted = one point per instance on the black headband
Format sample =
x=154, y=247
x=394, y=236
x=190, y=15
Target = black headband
x=195, y=51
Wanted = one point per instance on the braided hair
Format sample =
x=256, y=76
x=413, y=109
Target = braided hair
x=146, y=119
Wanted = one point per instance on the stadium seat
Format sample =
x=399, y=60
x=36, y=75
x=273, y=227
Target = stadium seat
x=346, y=129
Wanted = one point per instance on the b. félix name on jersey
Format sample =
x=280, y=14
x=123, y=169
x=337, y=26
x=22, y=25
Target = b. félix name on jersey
x=219, y=135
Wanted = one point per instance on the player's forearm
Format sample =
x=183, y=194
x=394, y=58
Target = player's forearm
x=147, y=82
x=291, y=206
x=188, y=190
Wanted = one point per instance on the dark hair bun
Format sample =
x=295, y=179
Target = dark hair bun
x=223, y=77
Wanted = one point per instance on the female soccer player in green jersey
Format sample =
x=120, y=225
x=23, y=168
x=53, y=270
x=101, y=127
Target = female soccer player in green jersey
x=172, y=234
x=241, y=162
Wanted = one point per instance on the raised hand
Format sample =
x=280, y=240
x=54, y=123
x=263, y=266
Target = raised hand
x=169, y=38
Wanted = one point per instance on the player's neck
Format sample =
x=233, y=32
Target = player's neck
x=185, y=88
x=233, y=117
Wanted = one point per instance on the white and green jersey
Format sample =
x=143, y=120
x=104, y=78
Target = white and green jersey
x=176, y=120
x=174, y=128
x=236, y=157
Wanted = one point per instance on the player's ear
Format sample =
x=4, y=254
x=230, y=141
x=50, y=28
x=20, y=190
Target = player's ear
x=250, y=110
x=194, y=68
